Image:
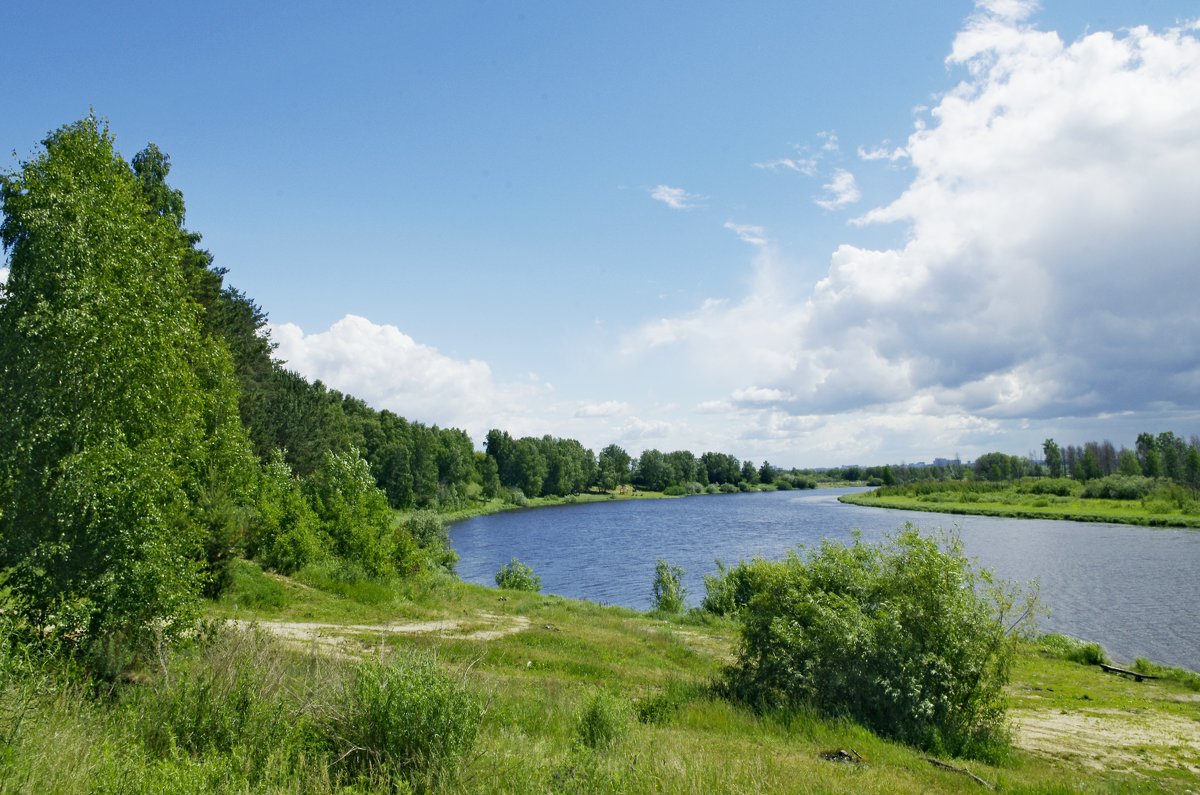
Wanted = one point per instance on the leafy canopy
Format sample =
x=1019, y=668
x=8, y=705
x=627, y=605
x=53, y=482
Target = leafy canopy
x=120, y=420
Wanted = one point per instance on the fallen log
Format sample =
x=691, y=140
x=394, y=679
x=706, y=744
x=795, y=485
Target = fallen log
x=1137, y=675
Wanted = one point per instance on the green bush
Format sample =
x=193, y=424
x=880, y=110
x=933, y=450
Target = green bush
x=423, y=544
x=904, y=636
x=354, y=512
x=604, y=721
x=518, y=576
x=1065, y=647
x=404, y=720
x=1058, y=487
x=730, y=589
x=1119, y=487
x=669, y=593
x=284, y=534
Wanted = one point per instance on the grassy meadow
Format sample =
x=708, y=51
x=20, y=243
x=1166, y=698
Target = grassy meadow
x=1163, y=505
x=570, y=697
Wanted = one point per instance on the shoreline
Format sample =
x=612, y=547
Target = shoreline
x=495, y=505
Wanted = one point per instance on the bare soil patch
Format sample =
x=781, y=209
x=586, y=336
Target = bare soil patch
x=343, y=638
x=1109, y=739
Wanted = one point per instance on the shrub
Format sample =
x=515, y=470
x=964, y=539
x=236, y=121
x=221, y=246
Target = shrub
x=404, y=719
x=904, y=636
x=1072, y=649
x=284, y=534
x=1058, y=487
x=518, y=576
x=605, y=719
x=423, y=543
x=1119, y=487
x=729, y=590
x=728, y=488
x=354, y=512
x=669, y=593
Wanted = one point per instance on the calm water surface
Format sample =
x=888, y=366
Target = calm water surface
x=1132, y=589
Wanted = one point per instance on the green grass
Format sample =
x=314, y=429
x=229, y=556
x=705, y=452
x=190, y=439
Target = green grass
x=1010, y=502
x=584, y=698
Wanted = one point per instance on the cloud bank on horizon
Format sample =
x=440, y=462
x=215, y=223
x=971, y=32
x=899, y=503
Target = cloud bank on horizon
x=1047, y=278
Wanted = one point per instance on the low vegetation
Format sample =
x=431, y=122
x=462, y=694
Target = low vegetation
x=579, y=698
x=1125, y=499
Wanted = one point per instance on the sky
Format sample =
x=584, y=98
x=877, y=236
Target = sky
x=817, y=233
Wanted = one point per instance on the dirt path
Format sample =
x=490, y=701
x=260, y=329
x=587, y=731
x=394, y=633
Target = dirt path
x=348, y=637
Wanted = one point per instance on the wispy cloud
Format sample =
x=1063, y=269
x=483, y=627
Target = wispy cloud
x=841, y=191
x=882, y=152
x=806, y=166
x=748, y=233
x=829, y=141
x=676, y=198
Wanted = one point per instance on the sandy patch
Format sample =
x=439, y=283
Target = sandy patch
x=341, y=637
x=1111, y=739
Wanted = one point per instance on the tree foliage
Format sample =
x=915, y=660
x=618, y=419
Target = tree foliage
x=120, y=445
x=905, y=636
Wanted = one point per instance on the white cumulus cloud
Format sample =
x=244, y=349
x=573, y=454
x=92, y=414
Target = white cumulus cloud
x=1049, y=266
x=390, y=370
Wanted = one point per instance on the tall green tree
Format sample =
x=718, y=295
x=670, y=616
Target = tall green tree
x=1054, y=458
x=119, y=433
x=613, y=467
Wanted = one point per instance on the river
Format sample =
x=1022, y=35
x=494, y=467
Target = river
x=1132, y=589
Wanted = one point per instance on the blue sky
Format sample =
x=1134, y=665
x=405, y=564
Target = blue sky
x=815, y=233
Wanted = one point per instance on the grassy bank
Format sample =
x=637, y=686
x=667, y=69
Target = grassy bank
x=1010, y=500
x=575, y=697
